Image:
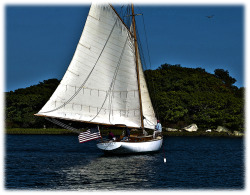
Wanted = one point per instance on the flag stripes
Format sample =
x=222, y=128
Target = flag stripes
x=89, y=135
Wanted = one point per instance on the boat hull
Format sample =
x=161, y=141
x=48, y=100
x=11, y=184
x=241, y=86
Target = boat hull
x=130, y=147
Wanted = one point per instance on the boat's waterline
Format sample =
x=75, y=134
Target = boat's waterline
x=131, y=147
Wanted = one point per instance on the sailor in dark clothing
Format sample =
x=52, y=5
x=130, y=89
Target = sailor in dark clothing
x=111, y=135
x=127, y=132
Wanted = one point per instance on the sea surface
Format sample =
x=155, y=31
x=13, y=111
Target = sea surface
x=56, y=162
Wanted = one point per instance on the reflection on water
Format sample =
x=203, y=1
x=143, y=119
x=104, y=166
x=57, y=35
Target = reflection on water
x=61, y=163
x=110, y=172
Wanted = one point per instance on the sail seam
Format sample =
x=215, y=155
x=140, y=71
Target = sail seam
x=110, y=98
x=72, y=97
x=94, y=17
x=129, y=32
x=100, y=83
x=84, y=46
x=127, y=91
x=73, y=72
x=110, y=88
x=100, y=108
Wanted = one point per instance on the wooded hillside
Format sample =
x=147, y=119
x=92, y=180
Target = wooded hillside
x=186, y=95
x=180, y=95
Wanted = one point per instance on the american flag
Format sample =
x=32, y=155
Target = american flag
x=89, y=135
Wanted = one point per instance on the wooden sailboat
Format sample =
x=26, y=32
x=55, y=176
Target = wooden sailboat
x=104, y=83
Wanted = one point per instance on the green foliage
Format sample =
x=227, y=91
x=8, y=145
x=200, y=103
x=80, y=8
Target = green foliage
x=33, y=131
x=224, y=76
x=22, y=104
x=182, y=96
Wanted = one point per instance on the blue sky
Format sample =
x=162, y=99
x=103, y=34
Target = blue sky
x=40, y=40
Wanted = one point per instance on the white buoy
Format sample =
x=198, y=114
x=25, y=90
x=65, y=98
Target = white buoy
x=163, y=153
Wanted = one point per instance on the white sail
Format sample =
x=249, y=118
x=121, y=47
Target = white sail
x=100, y=84
x=147, y=107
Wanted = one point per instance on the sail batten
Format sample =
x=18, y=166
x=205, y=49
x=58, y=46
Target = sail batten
x=100, y=84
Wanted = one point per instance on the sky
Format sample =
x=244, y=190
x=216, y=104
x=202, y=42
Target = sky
x=40, y=40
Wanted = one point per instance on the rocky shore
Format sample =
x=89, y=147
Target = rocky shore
x=192, y=130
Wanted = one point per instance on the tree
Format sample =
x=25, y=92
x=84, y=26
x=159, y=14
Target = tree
x=186, y=95
x=180, y=96
x=22, y=104
x=224, y=76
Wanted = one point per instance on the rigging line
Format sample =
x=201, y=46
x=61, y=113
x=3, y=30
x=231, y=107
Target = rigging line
x=113, y=81
x=154, y=102
x=80, y=88
x=117, y=68
x=140, y=48
x=142, y=58
x=128, y=19
x=146, y=41
x=129, y=37
x=63, y=125
x=122, y=13
x=144, y=63
x=150, y=65
x=111, y=86
x=148, y=121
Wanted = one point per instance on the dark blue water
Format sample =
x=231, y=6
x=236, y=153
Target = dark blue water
x=47, y=162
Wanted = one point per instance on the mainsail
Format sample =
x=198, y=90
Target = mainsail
x=100, y=84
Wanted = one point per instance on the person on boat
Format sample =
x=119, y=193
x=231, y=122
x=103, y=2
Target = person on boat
x=111, y=136
x=127, y=134
x=158, y=129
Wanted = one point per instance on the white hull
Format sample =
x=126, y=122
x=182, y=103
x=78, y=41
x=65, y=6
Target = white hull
x=124, y=147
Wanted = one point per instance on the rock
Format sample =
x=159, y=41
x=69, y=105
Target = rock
x=238, y=133
x=191, y=128
x=208, y=130
x=171, y=129
x=222, y=129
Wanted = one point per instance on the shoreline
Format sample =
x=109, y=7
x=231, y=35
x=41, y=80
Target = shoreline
x=55, y=131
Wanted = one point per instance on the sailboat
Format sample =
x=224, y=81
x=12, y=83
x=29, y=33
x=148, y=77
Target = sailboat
x=105, y=84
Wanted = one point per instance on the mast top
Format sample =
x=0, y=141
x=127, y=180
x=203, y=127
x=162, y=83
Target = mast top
x=85, y=95
x=121, y=19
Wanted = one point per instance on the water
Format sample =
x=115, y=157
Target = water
x=47, y=162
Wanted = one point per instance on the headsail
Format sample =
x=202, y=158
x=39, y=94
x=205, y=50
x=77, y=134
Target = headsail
x=99, y=85
x=147, y=107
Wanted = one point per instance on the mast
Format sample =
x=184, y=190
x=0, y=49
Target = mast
x=120, y=19
x=85, y=95
x=137, y=66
